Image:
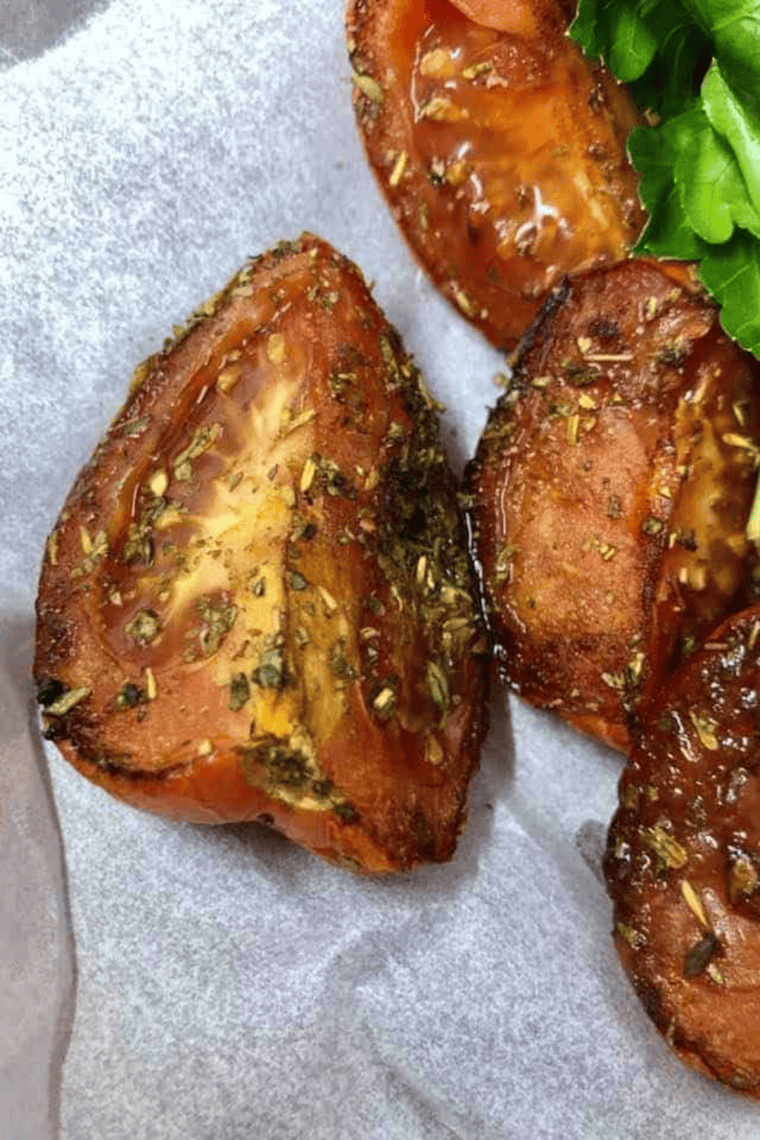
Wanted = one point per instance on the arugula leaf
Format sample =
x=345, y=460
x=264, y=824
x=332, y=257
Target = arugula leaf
x=654, y=45
x=613, y=30
x=654, y=152
x=696, y=63
x=731, y=117
x=733, y=27
x=731, y=272
x=712, y=190
x=707, y=177
x=634, y=46
x=589, y=29
x=671, y=83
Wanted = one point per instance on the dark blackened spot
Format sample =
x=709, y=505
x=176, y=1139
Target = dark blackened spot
x=240, y=692
x=426, y=845
x=130, y=695
x=699, y=957
x=285, y=768
x=417, y=524
x=603, y=328
x=541, y=328
x=687, y=539
x=49, y=690
x=54, y=729
x=650, y=996
x=288, y=769
x=338, y=485
x=347, y=812
x=673, y=355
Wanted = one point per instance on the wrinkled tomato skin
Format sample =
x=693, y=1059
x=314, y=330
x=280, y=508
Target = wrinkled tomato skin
x=501, y=153
x=513, y=15
x=610, y=493
x=257, y=602
x=683, y=859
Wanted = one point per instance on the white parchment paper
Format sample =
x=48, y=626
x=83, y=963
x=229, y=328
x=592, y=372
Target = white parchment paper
x=168, y=981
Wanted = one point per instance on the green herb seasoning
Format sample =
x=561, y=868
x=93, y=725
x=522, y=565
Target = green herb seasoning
x=438, y=686
x=218, y=618
x=339, y=665
x=270, y=672
x=144, y=627
x=66, y=702
x=240, y=692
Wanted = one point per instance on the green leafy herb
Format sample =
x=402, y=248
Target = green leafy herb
x=694, y=66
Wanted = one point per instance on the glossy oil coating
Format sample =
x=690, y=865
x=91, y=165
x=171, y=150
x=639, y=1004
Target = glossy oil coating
x=610, y=493
x=507, y=15
x=500, y=152
x=683, y=859
x=257, y=602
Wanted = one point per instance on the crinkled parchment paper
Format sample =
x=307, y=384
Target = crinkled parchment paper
x=169, y=981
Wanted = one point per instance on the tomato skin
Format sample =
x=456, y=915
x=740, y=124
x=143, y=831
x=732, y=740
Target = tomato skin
x=516, y=16
x=501, y=153
x=683, y=859
x=610, y=493
x=257, y=602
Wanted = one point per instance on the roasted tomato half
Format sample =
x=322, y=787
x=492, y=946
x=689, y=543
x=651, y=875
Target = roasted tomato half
x=611, y=490
x=500, y=152
x=257, y=602
x=683, y=859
